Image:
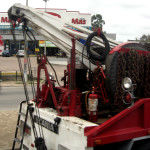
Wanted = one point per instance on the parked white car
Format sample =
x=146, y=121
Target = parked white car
x=20, y=53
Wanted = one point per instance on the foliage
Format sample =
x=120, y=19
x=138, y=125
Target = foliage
x=97, y=21
x=145, y=38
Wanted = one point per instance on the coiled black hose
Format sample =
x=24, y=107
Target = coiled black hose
x=100, y=53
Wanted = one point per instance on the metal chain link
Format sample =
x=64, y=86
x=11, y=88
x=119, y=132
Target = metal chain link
x=147, y=77
x=121, y=73
x=137, y=67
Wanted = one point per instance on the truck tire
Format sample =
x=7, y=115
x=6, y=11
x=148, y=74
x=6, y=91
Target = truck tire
x=111, y=68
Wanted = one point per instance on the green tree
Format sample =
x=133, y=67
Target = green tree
x=145, y=40
x=97, y=21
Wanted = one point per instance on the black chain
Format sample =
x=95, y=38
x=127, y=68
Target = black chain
x=137, y=67
x=147, y=77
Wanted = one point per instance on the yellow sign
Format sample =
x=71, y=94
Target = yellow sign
x=46, y=43
x=37, y=50
x=41, y=42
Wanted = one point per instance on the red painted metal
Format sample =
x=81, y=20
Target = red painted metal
x=47, y=87
x=130, y=123
x=72, y=84
x=64, y=79
x=70, y=104
x=99, y=31
x=99, y=84
x=69, y=99
x=120, y=48
x=54, y=14
x=75, y=104
x=128, y=98
x=74, y=96
x=63, y=105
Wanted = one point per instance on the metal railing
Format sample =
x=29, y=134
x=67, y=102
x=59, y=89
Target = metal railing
x=15, y=75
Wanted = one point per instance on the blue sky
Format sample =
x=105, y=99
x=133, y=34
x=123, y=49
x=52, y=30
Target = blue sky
x=129, y=19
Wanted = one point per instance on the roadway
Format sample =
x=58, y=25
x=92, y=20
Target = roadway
x=10, y=97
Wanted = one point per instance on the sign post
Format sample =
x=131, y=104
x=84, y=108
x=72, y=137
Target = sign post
x=25, y=57
x=25, y=53
x=26, y=2
x=45, y=41
x=45, y=49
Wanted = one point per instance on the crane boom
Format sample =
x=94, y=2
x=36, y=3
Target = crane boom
x=56, y=30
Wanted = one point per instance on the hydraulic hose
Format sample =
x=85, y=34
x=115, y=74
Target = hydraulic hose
x=100, y=53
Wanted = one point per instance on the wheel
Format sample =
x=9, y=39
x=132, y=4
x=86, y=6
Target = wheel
x=113, y=66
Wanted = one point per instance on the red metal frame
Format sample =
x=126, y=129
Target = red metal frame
x=68, y=102
x=42, y=96
x=70, y=105
x=130, y=123
x=72, y=83
x=99, y=86
x=120, y=48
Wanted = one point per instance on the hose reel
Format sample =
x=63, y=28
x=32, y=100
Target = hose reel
x=99, y=53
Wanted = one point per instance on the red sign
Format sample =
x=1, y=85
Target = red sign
x=54, y=14
x=78, y=21
x=5, y=20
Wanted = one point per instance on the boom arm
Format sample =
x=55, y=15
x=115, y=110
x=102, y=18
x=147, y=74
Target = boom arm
x=56, y=30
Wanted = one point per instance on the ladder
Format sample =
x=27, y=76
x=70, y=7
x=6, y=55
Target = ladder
x=16, y=139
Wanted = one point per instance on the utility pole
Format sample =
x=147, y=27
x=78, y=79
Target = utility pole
x=25, y=57
x=25, y=53
x=45, y=41
x=26, y=2
x=45, y=3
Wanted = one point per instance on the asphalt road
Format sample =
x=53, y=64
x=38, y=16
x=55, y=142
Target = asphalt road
x=10, y=97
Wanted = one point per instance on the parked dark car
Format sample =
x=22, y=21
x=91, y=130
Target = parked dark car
x=6, y=53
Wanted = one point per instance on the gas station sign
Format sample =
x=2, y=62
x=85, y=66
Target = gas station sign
x=43, y=43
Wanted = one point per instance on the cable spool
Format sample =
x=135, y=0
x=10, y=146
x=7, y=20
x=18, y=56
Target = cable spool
x=98, y=54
